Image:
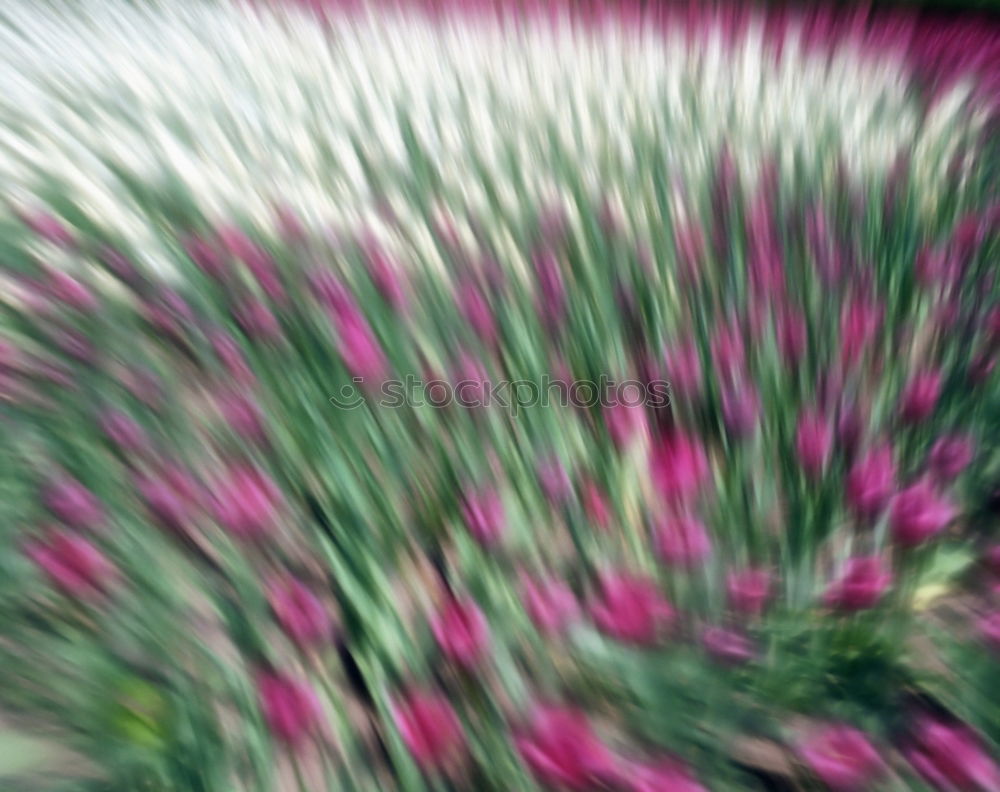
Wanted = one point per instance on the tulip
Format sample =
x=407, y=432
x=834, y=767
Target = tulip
x=429, y=727
x=72, y=503
x=624, y=423
x=246, y=502
x=555, y=481
x=300, y=613
x=630, y=609
x=561, y=749
x=595, y=505
x=549, y=603
x=48, y=227
x=918, y=514
x=171, y=505
x=950, y=758
x=241, y=247
x=679, y=468
x=359, y=347
x=920, y=396
x=864, y=581
x=461, y=632
x=206, y=257
x=70, y=292
x=473, y=305
x=871, y=482
x=229, y=353
x=72, y=564
x=683, y=367
x=748, y=590
x=728, y=352
x=243, y=415
x=949, y=456
x=728, y=647
x=384, y=273
x=682, y=541
x=740, y=409
x=666, y=775
x=843, y=758
x=290, y=706
x=257, y=320
x=859, y=324
x=483, y=514
x=813, y=442
x=123, y=431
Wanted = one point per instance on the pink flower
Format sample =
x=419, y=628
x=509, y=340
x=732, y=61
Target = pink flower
x=934, y=267
x=729, y=647
x=748, y=590
x=843, y=758
x=624, y=422
x=70, y=292
x=666, y=775
x=949, y=456
x=359, y=347
x=920, y=396
x=471, y=382
x=257, y=320
x=792, y=335
x=290, y=707
x=229, y=353
x=483, y=514
x=918, y=514
x=630, y=609
x=595, y=505
x=255, y=258
x=300, y=613
x=859, y=324
x=385, y=274
x=72, y=564
x=246, y=502
x=550, y=603
x=429, y=727
x=169, y=505
x=461, y=632
x=682, y=541
x=679, y=467
x=206, y=257
x=561, y=749
x=48, y=227
x=728, y=352
x=862, y=584
x=123, y=431
x=871, y=482
x=740, y=409
x=989, y=630
x=476, y=309
x=683, y=367
x=555, y=481
x=242, y=414
x=813, y=442
x=951, y=759
x=72, y=503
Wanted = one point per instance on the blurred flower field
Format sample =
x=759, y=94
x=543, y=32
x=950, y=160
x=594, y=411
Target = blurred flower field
x=499, y=397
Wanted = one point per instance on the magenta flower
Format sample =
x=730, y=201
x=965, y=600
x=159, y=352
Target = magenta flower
x=171, y=506
x=243, y=415
x=630, y=609
x=231, y=356
x=871, y=482
x=123, y=431
x=813, y=442
x=934, y=267
x=918, y=513
x=555, y=481
x=561, y=749
x=70, y=292
x=385, y=275
x=683, y=367
x=290, y=707
x=666, y=775
x=549, y=603
x=206, y=257
x=473, y=305
x=740, y=409
x=728, y=647
x=951, y=759
x=72, y=564
x=748, y=590
x=595, y=505
x=843, y=758
x=483, y=514
x=862, y=584
x=300, y=613
x=359, y=347
x=257, y=260
x=72, y=503
x=679, y=467
x=429, y=727
x=860, y=321
x=728, y=351
x=682, y=541
x=48, y=227
x=624, y=422
x=989, y=630
x=257, y=320
x=461, y=632
x=246, y=502
x=949, y=456
x=920, y=396
x=792, y=335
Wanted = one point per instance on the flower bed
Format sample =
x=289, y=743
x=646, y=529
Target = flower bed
x=462, y=399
